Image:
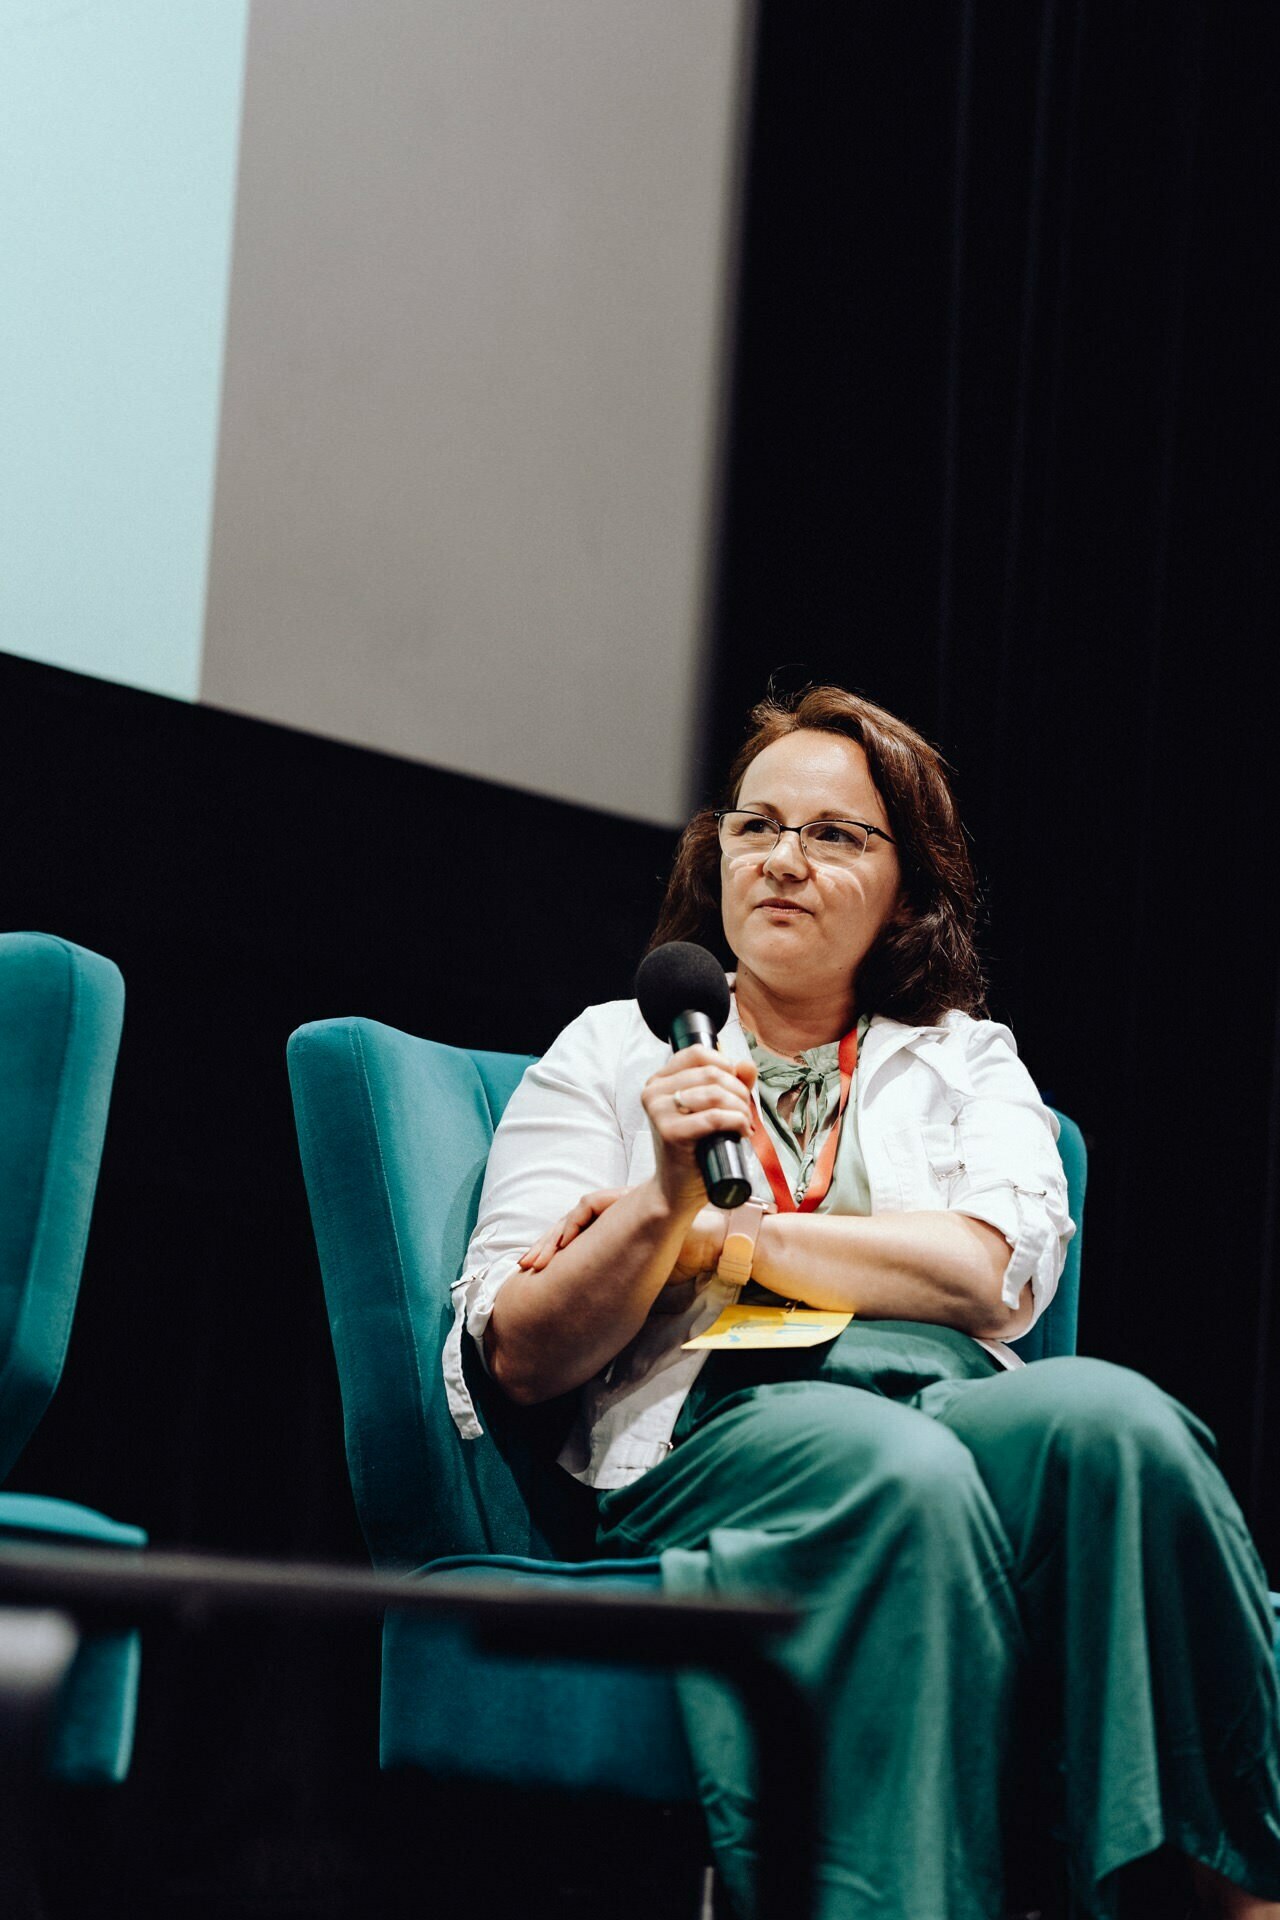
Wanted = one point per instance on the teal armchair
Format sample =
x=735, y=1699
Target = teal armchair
x=394, y=1134
x=61, y=1010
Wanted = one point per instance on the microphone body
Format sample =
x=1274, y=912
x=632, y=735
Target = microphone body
x=720, y=1155
x=684, y=998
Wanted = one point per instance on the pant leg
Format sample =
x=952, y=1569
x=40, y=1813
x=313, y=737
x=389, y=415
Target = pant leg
x=1146, y=1611
x=910, y=1645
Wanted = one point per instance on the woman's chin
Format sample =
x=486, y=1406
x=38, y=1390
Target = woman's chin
x=780, y=960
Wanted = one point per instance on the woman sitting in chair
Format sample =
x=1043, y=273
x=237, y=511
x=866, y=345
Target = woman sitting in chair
x=980, y=1545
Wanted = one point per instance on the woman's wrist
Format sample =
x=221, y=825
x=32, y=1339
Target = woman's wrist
x=776, y=1267
x=675, y=1211
x=678, y=1205
x=739, y=1237
x=764, y=1268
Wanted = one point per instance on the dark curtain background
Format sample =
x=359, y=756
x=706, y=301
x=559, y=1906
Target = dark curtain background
x=1004, y=459
x=245, y=879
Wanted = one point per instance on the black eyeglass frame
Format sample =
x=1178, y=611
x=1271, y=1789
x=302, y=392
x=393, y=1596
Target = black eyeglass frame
x=723, y=813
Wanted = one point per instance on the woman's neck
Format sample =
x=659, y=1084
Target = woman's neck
x=789, y=1024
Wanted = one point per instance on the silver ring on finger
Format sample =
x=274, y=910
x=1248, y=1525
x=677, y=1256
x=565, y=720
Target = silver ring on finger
x=678, y=1100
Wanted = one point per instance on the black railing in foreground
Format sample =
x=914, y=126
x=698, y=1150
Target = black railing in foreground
x=114, y=1588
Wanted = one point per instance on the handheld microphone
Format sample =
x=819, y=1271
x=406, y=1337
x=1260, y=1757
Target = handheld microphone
x=684, y=998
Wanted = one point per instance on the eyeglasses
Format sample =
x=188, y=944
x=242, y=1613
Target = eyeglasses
x=828, y=843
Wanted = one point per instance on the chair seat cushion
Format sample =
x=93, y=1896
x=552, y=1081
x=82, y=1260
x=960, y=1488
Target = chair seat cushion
x=41, y=1517
x=93, y=1736
x=456, y=1710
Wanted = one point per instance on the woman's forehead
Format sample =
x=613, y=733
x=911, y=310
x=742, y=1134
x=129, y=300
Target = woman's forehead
x=820, y=769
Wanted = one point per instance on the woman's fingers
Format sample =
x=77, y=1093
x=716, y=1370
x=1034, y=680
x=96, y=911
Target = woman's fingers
x=695, y=1093
x=688, y=1123
x=697, y=1068
x=589, y=1208
x=535, y=1258
x=697, y=1096
x=713, y=1096
x=697, y=1060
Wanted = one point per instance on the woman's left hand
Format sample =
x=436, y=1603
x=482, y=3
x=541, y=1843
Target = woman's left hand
x=576, y=1221
x=698, y=1254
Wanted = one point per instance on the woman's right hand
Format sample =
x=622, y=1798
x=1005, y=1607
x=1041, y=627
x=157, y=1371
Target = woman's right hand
x=697, y=1092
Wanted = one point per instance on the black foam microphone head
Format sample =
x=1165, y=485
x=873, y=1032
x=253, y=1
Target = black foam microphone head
x=681, y=978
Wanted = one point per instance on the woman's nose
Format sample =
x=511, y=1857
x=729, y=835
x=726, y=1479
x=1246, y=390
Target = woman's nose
x=787, y=855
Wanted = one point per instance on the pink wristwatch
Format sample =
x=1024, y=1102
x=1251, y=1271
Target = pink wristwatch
x=739, y=1249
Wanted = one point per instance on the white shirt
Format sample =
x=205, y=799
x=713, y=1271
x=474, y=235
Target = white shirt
x=948, y=1118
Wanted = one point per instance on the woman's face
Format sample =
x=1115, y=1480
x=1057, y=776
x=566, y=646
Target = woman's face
x=800, y=928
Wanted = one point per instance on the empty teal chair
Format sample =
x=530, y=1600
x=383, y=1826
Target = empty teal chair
x=61, y=1010
x=394, y=1134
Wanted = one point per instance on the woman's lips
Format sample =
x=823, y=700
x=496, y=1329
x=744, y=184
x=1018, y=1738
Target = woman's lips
x=779, y=906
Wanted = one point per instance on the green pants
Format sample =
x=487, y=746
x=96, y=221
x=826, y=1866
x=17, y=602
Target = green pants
x=997, y=1568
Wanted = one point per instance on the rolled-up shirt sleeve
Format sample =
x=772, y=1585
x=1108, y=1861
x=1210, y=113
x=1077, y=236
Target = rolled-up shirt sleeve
x=559, y=1138
x=1012, y=1176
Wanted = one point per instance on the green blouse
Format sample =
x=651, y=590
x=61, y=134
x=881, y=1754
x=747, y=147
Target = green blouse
x=799, y=1138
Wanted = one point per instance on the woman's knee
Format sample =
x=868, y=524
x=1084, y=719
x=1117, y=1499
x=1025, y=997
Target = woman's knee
x=1096, y=1413
x=921, y=1478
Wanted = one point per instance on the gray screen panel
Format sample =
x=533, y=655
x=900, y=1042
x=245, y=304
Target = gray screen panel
x=473, y=383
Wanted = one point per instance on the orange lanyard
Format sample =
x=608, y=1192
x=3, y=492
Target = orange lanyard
x=767, y=1153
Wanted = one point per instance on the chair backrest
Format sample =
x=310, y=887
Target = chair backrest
x=61, y=1012
x=394, y=1133
x=1055, y=1331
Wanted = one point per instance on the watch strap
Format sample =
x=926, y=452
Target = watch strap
x=738, y=1253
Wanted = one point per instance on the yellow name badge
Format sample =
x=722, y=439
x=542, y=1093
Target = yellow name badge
x=772, y=1327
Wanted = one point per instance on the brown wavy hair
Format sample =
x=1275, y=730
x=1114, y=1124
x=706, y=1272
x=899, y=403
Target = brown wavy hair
x=925, y=960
